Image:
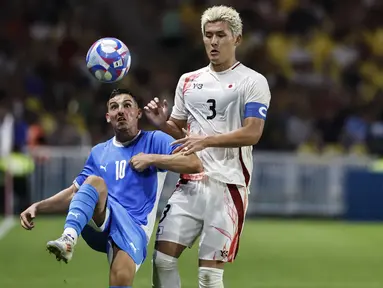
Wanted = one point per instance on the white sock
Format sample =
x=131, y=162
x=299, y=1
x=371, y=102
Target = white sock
x=165, y=271
x=210, y=277
x=71, y=233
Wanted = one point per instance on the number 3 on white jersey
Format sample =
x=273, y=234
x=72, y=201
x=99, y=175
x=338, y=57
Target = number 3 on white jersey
x=120, y=169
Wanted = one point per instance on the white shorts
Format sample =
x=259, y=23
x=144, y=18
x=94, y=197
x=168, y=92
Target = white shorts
x=207, y=208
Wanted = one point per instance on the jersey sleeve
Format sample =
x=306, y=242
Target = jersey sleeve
x=89, y=169
x=257, y=97
x=162, y=142
x=179, y=110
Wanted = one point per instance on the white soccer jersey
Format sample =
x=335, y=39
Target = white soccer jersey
x=216, y=103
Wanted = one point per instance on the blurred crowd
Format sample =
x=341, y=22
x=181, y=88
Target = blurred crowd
x=323, y=60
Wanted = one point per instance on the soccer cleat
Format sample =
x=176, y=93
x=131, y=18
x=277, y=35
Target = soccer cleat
x=62, y=248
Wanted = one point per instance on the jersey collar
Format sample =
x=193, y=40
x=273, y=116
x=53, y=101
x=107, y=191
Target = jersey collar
x=127, y=143
x=235, y=65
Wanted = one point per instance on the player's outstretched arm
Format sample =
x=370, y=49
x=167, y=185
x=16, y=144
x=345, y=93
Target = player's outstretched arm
x=247, y=135
x=57, y=203
x=178, y=162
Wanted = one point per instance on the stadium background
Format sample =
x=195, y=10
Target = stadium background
x=317, y=168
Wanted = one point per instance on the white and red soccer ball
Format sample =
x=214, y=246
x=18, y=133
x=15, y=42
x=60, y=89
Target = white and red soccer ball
x=108, y=60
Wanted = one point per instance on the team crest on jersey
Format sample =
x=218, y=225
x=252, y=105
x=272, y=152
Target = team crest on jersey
x=230, y=86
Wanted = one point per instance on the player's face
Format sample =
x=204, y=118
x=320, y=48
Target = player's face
x=123, y=112
x=220, y=42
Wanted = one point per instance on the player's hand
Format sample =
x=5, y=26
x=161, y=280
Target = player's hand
x=157, y=112
x=140, y=162
x=190, y=143
x=26, y=217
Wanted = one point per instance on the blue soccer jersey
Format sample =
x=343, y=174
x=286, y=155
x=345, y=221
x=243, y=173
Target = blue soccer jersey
x=129, y=191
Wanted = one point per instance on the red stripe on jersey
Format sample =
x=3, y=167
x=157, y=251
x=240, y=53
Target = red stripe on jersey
x=188, y=81
x=238, y=203
x=245, y=172
x=235, y=66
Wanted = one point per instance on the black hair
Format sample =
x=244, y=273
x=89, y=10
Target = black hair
x=120, y=91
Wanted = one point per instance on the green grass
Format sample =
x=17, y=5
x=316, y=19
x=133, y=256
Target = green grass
x=273, y=254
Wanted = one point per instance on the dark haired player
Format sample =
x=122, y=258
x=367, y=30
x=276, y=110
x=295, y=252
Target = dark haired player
x=113, y=201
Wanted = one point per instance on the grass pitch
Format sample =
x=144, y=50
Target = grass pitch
x=273, y=254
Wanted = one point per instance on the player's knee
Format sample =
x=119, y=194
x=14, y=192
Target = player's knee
x=98, y=183
x=163, y=261
x=210, y=277
x=121, y=277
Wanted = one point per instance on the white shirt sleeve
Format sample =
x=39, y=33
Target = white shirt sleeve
x=179, y=111
x=256, y=97
x=257, y=90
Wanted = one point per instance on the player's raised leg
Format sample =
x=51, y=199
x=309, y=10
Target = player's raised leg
x=122, y=269
x=88, y=202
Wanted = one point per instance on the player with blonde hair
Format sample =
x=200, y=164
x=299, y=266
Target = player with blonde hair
x=222, y=109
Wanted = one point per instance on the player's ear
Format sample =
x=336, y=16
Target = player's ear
x=238, y=40
x=139, y=113
x=107, y=117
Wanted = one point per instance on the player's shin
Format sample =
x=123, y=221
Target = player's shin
x=165, y=271
x=210, y=277
x=81, y=210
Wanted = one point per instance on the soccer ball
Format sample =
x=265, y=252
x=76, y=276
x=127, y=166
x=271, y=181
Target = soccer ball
x=108, y=60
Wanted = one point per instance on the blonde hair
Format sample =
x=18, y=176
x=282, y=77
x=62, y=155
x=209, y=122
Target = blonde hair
x=223, y=13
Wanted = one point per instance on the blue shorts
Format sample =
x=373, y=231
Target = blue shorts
x=120, y=228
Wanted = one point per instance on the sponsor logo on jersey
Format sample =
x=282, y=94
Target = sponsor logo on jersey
x=197, y=85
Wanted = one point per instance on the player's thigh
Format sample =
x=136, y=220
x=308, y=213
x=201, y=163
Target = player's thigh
x=122, y=268
x=181, y=221
x=95, y=238
x=101, y=219
x=223, y=223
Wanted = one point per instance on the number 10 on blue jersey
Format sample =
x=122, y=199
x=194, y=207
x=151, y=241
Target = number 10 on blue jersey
x=120, y=169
